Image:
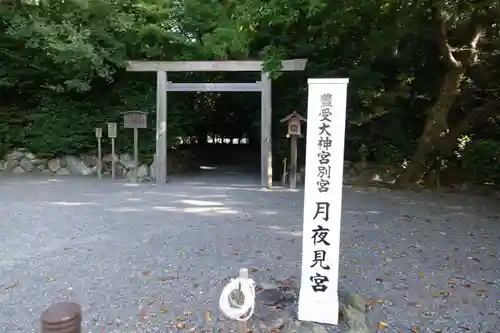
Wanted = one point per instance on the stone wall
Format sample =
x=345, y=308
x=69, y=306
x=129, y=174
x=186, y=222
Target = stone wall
x=185, y=160
x=21, y=161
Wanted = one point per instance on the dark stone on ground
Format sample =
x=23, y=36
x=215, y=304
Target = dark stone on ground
x=276, y=310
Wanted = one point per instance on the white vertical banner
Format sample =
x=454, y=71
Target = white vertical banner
x=326, y=118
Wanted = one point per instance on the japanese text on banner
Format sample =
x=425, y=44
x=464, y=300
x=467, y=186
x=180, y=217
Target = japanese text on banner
x=319, y=281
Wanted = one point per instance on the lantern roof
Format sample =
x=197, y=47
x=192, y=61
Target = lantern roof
x=292, y=115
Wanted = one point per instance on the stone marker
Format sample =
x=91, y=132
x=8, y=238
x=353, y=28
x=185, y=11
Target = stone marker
x=354, y=312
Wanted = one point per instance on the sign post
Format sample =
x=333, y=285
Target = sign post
x=294, y=133
x=112, y=132
x=326, y=117
x=135, y=120
x=98, y=135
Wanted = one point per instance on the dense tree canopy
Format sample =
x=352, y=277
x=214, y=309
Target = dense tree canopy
x=423, y=93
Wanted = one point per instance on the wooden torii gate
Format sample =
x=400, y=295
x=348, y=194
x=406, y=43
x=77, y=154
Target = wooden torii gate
x=162, y=86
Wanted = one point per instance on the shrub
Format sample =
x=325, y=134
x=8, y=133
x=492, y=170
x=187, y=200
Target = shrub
x=481, y=161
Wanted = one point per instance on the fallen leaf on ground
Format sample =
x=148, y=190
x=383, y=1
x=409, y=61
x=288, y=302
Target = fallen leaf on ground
x=9, y=287
x=382, y=325
x=147, y=273
x=274, y=307
x=457, y=277
x=481, y=292
x=428, y=314
x=143, y=313
x=167, y=278
x=375, y=301
x=208, y=316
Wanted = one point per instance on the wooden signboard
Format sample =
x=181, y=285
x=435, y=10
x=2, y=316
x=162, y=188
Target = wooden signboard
x=135, y=119
x=112, y=131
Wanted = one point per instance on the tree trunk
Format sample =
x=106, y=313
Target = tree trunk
x=435, y=127
x=449, y=142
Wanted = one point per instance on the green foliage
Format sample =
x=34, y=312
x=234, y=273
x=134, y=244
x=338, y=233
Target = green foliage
x=53, y=132
x=62, y=70
x=12, y=128
x=481, y=161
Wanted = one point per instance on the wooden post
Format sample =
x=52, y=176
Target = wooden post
x=293, y=121
x=136, y=151
x=293, y=161
x=284, y=176
x=326, y=106
x=135, y=120
x=265, y=133
x=112, y=132
x=241, y=326
x=98, y=134
x=113, y=161
x=161, y=127
x=99, y=158
x=65, y=317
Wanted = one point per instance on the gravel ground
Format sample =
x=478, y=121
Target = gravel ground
x=140, y=257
